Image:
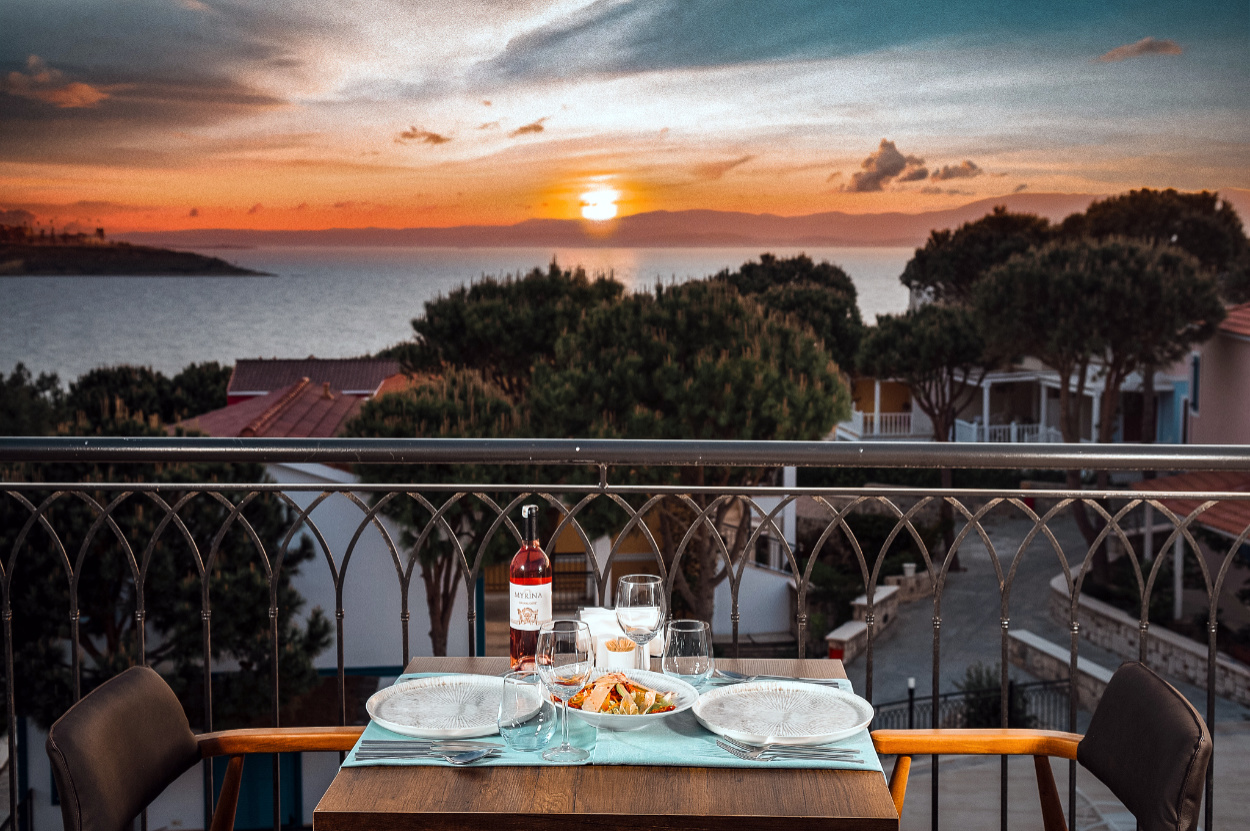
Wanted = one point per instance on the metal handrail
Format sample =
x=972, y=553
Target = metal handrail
x=658, y=452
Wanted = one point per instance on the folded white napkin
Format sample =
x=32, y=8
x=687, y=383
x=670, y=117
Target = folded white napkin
x=603, y=628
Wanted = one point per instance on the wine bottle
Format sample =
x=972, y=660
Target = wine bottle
x=529, y=593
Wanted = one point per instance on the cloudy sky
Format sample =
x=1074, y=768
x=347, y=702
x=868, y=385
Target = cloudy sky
x=160, y=114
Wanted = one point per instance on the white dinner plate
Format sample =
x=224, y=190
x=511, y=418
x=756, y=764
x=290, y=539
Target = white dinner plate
x=782, y=712
x=687, y=695
x=443, y=707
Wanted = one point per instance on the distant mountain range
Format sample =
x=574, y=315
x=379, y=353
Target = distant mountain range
x=656, y=229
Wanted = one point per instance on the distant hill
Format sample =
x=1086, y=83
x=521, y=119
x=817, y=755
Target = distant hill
x=102, y=259
x=655, y=229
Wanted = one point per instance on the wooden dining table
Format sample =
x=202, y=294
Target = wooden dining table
x=629, y=798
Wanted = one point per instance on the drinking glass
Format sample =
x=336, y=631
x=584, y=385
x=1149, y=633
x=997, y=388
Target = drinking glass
x=640, y=611
x=688, y=651
x=527, y=719
x=564, y=659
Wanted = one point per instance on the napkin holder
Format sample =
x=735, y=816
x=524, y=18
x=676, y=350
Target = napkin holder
x=604, y=628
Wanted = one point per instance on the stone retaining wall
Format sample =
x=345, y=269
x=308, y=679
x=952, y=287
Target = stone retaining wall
x=917, y=587
x=848, y=641
x=1051, y=662
x=1167, y=653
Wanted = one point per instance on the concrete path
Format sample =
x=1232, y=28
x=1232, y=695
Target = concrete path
x=971, y=632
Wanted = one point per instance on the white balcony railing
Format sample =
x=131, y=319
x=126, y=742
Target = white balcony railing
x=1013, y=432
x=864, y=426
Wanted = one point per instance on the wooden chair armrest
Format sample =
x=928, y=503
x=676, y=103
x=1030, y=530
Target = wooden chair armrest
x=1009, y=742
x=277, y=740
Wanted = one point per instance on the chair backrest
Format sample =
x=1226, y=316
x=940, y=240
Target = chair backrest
x=1148, y=744
x=115, y=750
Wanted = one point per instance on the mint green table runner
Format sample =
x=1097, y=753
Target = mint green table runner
x=677, y=741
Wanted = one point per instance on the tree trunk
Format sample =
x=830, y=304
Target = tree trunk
x=1070, y=421
x=437, y=601
x=1149, y=420
x=947, y=514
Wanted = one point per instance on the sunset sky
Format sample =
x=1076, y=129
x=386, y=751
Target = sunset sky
x=168, y=114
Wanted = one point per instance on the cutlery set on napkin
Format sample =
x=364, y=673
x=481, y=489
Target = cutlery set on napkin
x=454, y=751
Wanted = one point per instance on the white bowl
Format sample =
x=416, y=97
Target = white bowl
x=686, y=697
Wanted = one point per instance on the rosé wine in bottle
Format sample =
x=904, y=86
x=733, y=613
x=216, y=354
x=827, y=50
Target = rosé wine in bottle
x=529, y=593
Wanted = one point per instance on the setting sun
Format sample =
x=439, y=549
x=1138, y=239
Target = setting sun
x=598, y=205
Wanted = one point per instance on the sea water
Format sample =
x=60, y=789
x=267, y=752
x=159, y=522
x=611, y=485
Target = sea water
x=331, y=302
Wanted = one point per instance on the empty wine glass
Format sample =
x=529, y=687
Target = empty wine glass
x=640, y=611
x=527, y=719
x=688, y=651
x=564, y=659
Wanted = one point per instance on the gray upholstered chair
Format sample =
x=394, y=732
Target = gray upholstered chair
x=1146, y=743
x=115, y=750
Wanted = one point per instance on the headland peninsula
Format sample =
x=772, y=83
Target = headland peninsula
x=94, y=258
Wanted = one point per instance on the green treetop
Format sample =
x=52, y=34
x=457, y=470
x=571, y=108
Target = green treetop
x=951, y=262
x=820, y=295
x=501, y=327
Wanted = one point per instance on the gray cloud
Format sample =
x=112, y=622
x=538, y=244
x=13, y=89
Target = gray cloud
x=933, y=190
x=883, y=167
x=964, y=170
x=422, y=136
x=1143, y=47
x=528, y=129
x=43, y=83
x=109, y=75
x=716, y=170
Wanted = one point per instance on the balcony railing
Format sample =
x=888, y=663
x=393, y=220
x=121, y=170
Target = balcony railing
x=970, y=431
x=582, y=482
x=866, y=426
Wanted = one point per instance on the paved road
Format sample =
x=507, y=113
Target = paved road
x=971, y=630
x=971, y=633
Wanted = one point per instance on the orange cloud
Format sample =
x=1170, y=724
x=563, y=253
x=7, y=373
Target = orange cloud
x=43, y=83
x=715, y=170
x=532, y=127
x=422, y=136
x=1145, y=46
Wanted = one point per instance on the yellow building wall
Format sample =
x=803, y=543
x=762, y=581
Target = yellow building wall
x=895, y=396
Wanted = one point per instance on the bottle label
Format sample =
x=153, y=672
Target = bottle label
x=529, y=604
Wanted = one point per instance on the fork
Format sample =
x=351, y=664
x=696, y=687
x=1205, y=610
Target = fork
x=738, y=678
x=765, y=755
x=464, y=757
x=804, y=750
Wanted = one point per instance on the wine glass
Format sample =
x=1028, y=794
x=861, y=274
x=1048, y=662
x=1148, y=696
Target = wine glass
x=527, y=720
x=640, y=611
x=564, y=658
x=688, y=651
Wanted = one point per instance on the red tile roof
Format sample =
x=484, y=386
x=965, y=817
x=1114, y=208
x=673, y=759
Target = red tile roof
x=1238, y=321
x=1231, y=517
x=355, y=376
x=301, y=410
